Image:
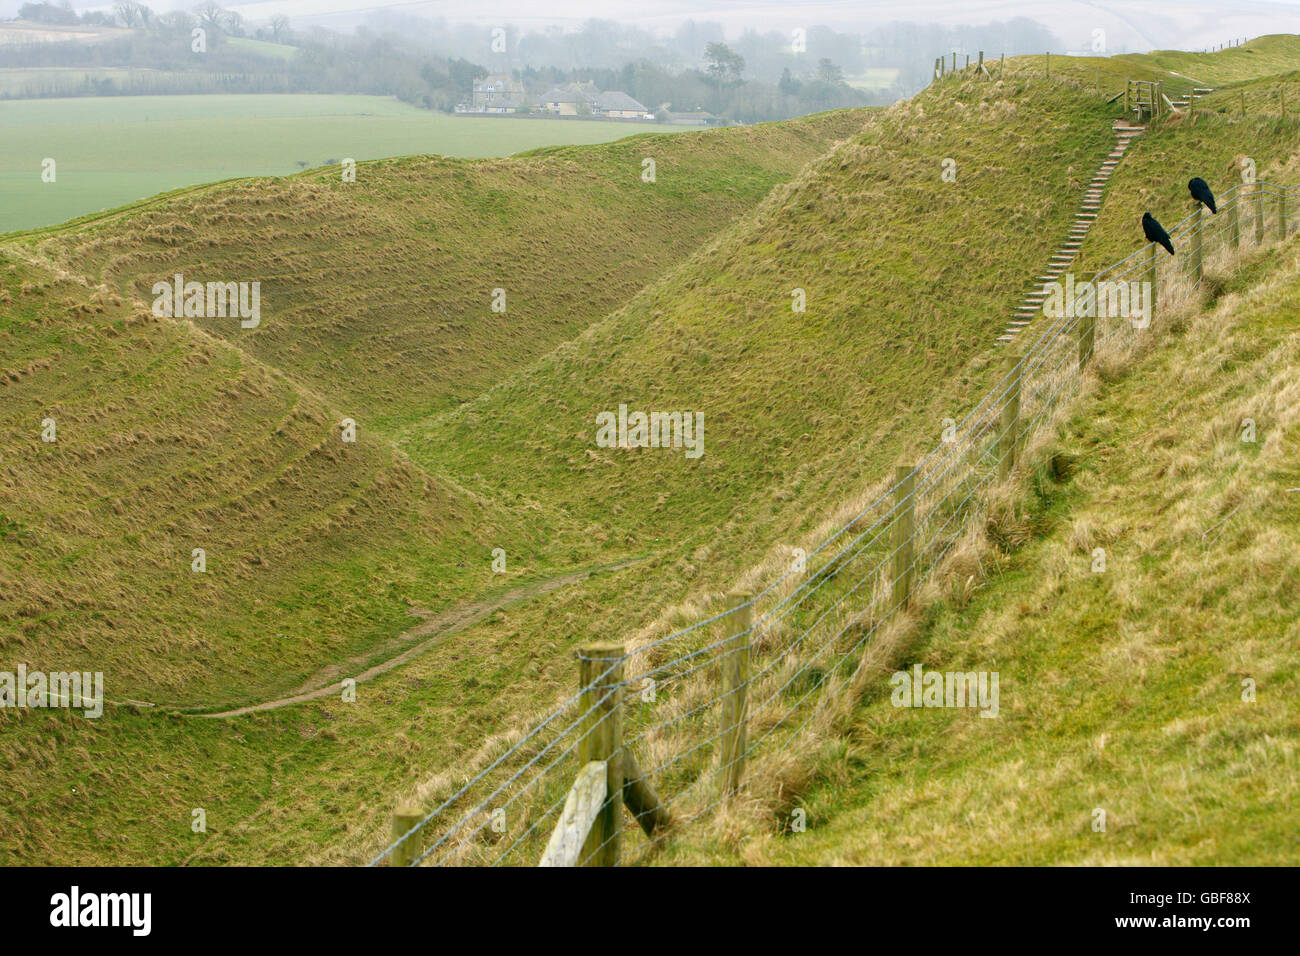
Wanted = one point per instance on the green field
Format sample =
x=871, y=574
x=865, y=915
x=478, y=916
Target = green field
x=113, y=150
x=874, y=78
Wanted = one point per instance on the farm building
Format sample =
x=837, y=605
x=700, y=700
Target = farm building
x=585, y=99
x=619, y=105
x=498, y=93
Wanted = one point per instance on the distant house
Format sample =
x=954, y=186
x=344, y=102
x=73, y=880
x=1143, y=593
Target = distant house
x=571, y=99
x=561, y=101
x=619, y=105
x=497, y=93
x=585, y=99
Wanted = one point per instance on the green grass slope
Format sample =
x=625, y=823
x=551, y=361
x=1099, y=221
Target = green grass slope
x=168, y=440
x=908, y=278
x=379, y=293
x=179, y=435
x=1178, y=70
x=1126, y=690
x=1262, y=56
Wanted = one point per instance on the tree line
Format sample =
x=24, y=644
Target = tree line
x=433, y=64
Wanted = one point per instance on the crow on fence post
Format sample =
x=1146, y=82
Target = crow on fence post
x=1200, y=191
x=1156, y=232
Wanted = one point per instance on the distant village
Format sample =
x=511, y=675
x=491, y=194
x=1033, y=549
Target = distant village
x=500, y=93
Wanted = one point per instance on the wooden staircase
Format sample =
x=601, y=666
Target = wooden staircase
x=1032, y=303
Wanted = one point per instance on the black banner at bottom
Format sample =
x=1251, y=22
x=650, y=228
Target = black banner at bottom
x=338, y=906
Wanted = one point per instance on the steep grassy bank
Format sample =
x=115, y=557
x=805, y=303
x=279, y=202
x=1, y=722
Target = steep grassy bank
x=1160, y=689
x=906, y=275
x=166, y=440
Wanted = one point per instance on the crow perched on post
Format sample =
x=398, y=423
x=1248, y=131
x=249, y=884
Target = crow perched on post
x=1200, y=191
x=1156, y=232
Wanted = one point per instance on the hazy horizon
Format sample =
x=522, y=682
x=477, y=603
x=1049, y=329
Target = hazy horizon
x=1136, y=26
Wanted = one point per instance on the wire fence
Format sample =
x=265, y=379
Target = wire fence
x=802, y=638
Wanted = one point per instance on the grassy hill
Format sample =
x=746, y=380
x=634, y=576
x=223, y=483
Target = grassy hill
x=1122, y=690
x=906, y=276
x=379, y=292
x=1262, y=56
x=182, y=435
x=1178, y=70
x=477, y=431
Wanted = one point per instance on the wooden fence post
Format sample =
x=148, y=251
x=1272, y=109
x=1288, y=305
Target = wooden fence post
x=735, y=682
x=1088, y=326
x=581, y=807
x=954, y=61
x=1155, y=278
x=1128, y=85
x=641, y=798
x=1281, y=212
x=1197, y=256
x=1010, y=436
x=600, y=675
x=1234, y=220
x=1048, y=63
x=1257, y=191
x=406, y=816
x=903, y=571
x=1002, y=66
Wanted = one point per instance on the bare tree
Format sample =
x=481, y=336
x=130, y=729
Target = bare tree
x=210, y=15
x=131, y=14
x=280, y=28
x=232, y=23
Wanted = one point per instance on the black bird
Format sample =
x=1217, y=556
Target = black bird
x=1156, y=232
x=1200, y=191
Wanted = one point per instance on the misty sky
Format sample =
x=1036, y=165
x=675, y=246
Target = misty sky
x=1133, y=25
